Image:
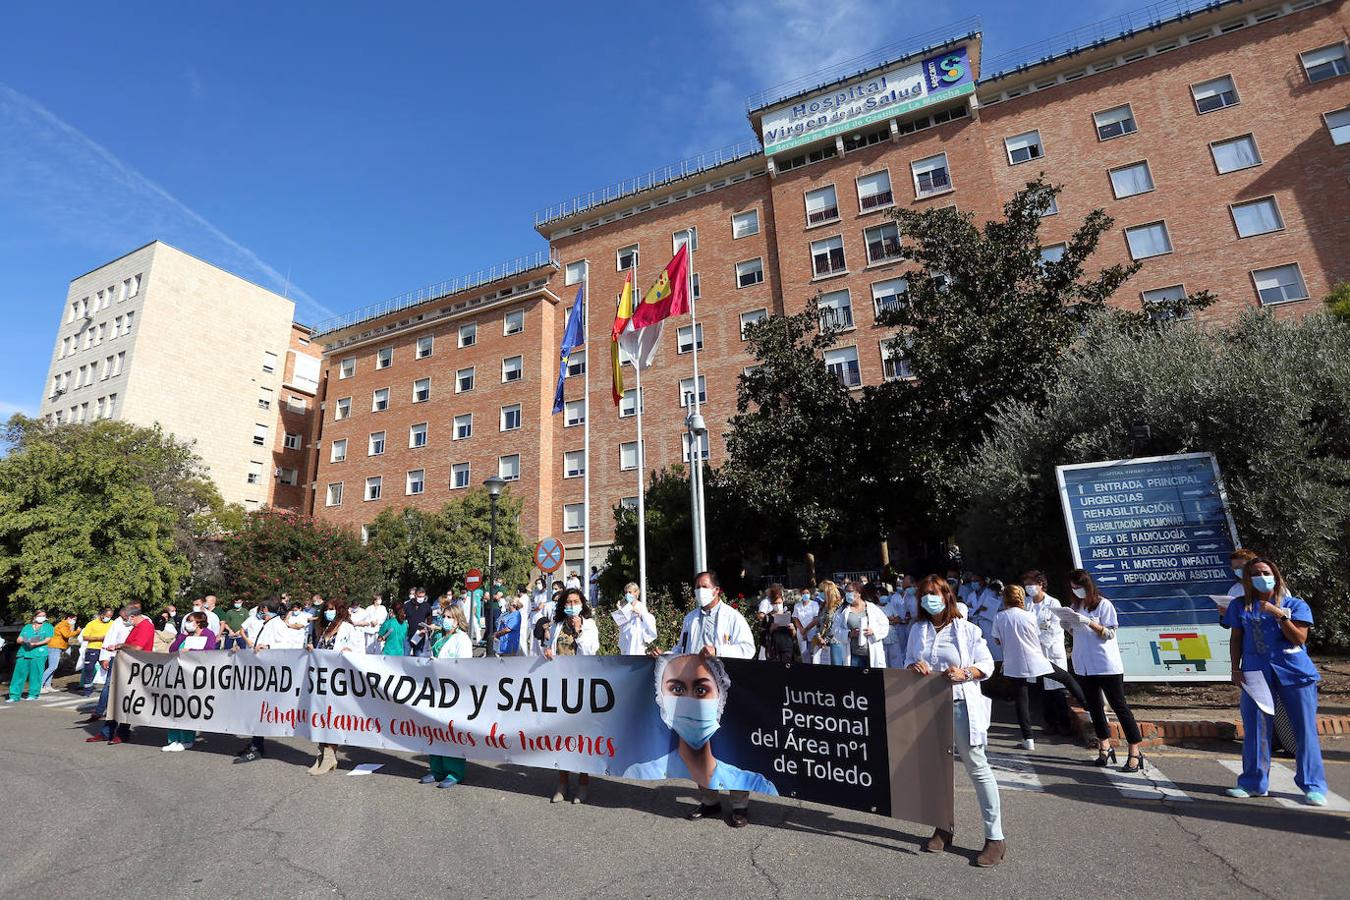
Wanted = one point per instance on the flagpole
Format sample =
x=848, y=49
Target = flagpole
x=642, y=480
x=696, y=425
x=586, y=439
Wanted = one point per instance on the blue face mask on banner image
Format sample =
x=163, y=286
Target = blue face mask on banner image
x=694, y=720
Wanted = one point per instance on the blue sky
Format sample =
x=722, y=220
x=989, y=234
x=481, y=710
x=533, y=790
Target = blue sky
x=364, y=149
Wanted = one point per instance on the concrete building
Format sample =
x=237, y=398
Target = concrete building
x=158, y=336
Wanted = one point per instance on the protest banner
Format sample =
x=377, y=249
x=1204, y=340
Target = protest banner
x=874, y=740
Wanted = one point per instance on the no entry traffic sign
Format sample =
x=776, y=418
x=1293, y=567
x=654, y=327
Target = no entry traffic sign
x=548, y=555
x=474, y=579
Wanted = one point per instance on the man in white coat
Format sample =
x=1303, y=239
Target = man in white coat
x=714, y=629
x=804, y=612
x=637, y=626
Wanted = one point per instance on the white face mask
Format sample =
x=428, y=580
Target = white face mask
x=189, y=627
x=704, y=596
x=1033, y=590
x=39, y=619
x=1080, y=593
x=778, y=607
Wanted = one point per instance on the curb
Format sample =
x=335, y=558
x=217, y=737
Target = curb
x=1165, y=732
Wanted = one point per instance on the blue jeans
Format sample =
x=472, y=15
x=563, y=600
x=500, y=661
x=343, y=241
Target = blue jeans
x=232, y=642
x=102, y=707
x=981, y=776
x=53, y=661
x=87, y=671
x=1300, y=701
x=838, y=654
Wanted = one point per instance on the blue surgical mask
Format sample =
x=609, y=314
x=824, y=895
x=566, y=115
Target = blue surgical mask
x=933, y=604
x=571, y=610
x=1237, y=573
x=694, y=720
x=1263, y=583
x=851, y=596
x=330, y=614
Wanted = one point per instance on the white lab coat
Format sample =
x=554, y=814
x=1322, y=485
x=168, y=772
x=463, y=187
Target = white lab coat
x=902, y=606
x=456, y=646
x=1051, y=632
x=876, y=620
x=1017, y=633
x=734, y=637
x=637, y=628
x=368, y=622
x=347, y=639
x=974, y=652
x=588, y=642
x=805, y=612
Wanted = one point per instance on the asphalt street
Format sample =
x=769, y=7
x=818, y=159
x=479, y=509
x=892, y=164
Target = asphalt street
x=129, y=820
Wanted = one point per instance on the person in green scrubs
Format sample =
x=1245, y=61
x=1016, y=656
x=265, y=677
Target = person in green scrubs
x=448, y=771
x=31, y=660
x=394, y=631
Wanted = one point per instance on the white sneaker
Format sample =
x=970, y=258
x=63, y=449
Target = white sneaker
x=175, y=747
x=427, y=779
x=1028, y=744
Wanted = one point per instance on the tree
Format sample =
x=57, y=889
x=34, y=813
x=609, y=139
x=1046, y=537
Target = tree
x=278, y=552
x=1338, y=301
x=98, y=514
x=1270, y=398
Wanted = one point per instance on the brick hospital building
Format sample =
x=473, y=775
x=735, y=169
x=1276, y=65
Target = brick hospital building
x=1219, y=141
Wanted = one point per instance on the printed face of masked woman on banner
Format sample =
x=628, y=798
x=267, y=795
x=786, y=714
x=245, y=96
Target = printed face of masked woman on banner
x=691, y=692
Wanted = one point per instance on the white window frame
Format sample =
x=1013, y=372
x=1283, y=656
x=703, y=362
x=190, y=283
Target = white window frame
x=1270, y=198
x=1147, y=300
x=687, y=390
x=684, y=336
x=574, y=272
x=1148, y=170
x=574, y=463
x=333, y=497
x=878, y=306
x=455, y=469
x=837, y=305
x=752, y=266
x=415, y=390
x=375, y=400
x=1167, y=236
x=269, y=358
x=759, y=316
x=346, y=368
x=1331, y=59
x=467, y=335
x=1098, y=125
x=459, y=379
x=1343, y=128
x=1249, y=137
x=520, y=417
x=337, y=451
x=518, y=369
x=628, y=403
x=899, y=253
x=889, y=355
x=384, y=358
x=678, y=238
x=574, y=413
x=829, y=209
x=576, y=364
x=864, y=206
x=455, y=423
x=828, y=252
x=426, y=345
x=377, y=443
x=342, y=409
x=635, y=250
x=1298, y=271
x=926, y=166
x=742, y=214
x=377, y=483
x=420, y=482
x=686, y=446
x=516, y=315
x=1232, y=84
x=630, y=447
x=501, y=467
x=259, y=429
x=1015, y=143
x=291, y=441
x=413, y=431
x=574, y=512
x=841, y=359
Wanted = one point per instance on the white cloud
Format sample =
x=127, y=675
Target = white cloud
x=77, y=187
x=8, y=409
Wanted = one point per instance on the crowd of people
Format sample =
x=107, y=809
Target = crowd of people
x=965, y=628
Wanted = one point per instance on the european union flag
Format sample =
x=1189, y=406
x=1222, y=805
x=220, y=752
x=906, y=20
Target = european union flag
x=574, y=338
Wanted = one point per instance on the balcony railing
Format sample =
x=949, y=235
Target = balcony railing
x=836, y=317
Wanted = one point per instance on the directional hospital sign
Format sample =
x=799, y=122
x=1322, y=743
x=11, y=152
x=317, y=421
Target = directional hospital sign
x=1155, y=534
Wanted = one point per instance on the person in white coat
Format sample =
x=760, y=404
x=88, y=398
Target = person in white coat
x=945, y=644
x=861, y=626
x=804, y=613
x=637, y=626
x=1054, y=701
x=984, y=606
x=334, y=632
x=368, y=621
x=573, y=634
x=900, y=609
x=713, y=629
x=1016, y=631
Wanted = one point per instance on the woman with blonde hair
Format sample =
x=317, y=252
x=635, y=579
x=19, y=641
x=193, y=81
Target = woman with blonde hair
x=825, y=638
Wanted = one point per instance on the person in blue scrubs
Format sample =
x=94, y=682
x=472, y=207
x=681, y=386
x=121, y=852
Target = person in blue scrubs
x=1270, y=636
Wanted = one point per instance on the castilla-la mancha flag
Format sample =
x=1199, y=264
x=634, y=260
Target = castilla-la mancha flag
x=669, y=296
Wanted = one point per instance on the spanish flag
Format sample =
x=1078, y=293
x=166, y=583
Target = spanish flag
x=669, y=296
x=636, y=345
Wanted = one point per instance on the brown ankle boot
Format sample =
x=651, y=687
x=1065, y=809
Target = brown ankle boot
x=940, y=841
x=992, y=854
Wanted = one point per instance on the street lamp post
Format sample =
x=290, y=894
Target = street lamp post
x=494, y=487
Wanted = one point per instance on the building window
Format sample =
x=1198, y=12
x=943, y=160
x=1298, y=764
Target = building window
x=1234, y=154
x=1154, y=298
x=417, y=435
x=843, y=363
x=836, y=310
x=1280, y=284
x=931, y=175
x=858, y=141
x=821, y=205
x=1257, y=217
x=1127, y=181
x=463, y=426
x=883, y=243
x=373, y=485
x=1024, y=147
x=375, y=445
x=459, y=476
x=291, y=441
x=574, y=413
x=684, y=338
x=628, y=502
x=379, y=401
x=1053, y=253
x=576, y=363
x=687, y=236
x=425, y=344
x=384, y=358
x=513, y=322
x=135, y=286
x=786, y=164
x=288, y=476
x=702, y=446
x=347, y=368
x=1338, y=126
x=264, y=394
x=874, y=191
x=1114, y=122
x=889, y=295
x=269, y=358
x=628, y=456
x=749, y=273
x=334, y=495
x=574, y=463
x=574, y=517
x=1214, y=94
x=628, y=403
x=627, y=258
x=343, y=409
x=421, y=391
x=260, y=435
x=687, y=390
x=827, y=256
x=510, y=419
x=513, y=367
x=337, y=451
x=752, y=317
x=573, y=272
x=1325, y=63
x=744, y=224
x=468, y=335
x=508, y=467
x=464, y=380
x=1148, y=240
x=416, y=482
x=894, y=363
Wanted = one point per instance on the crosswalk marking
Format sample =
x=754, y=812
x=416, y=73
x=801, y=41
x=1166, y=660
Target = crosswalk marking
x=1014, y=773
x=66, y=702
x=1284, y=791
x=1147, y=784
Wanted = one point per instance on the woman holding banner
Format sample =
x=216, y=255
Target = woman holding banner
x=943, y=642
x=574, y=633
x=335, y=633
x=194, y=636
x=454, y=643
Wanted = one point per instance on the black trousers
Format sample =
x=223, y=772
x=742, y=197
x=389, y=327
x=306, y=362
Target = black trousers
x=1021, y=696
x=1113, y=686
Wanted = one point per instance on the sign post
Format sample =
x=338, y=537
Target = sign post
x=548, y=555
x=1156, y=535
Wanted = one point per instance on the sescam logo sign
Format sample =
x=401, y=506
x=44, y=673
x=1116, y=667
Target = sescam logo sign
x=896, y=91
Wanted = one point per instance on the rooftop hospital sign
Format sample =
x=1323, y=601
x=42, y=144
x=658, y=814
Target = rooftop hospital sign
x=895, y=91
